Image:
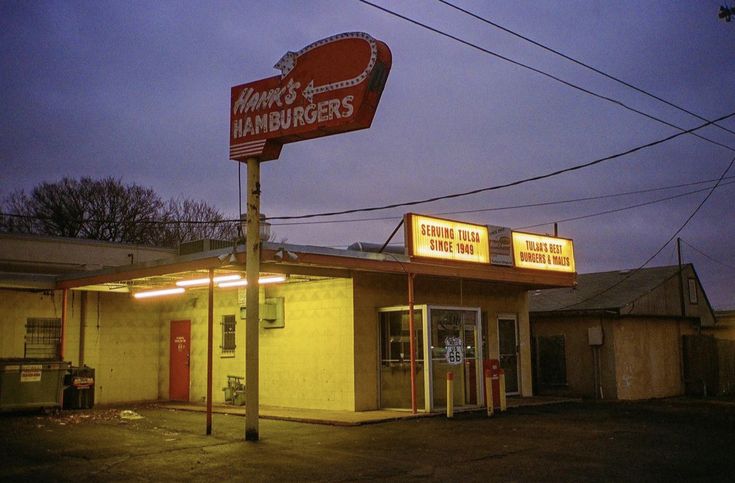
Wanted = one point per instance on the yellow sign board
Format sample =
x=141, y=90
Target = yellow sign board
x=446, y=239
x=543, y=252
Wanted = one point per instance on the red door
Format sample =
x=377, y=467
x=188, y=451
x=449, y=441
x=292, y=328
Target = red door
x=179, y=347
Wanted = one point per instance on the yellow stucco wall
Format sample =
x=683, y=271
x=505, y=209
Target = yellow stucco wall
x=310, y=363
x=307, y=364
x=17, y=306
x=118, y=339
x=119, y=345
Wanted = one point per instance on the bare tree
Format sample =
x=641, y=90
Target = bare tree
x=192, y=220
x=109, y=210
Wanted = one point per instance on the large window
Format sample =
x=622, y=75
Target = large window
x=43, y=337
x=395, y=359
x=228, y=335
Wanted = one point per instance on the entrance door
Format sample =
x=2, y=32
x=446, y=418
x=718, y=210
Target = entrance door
x=456, y=331
x=508, y=352
x=179, y=355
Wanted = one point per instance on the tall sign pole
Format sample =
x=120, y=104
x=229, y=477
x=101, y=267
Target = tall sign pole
x=329, y=87
x=252, y=299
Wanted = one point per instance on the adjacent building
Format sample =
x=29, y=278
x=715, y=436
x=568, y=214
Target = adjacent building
x=621, y=334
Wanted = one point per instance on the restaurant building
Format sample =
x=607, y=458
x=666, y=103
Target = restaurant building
x=335, y=326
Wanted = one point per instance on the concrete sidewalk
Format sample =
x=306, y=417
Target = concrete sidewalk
x=349, y=418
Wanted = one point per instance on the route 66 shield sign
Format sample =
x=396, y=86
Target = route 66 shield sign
x=454, y=350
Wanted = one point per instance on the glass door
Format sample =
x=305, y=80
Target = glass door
x=508, y=352
x=455, y=346
x=395, y=359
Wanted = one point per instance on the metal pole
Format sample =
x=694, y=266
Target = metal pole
x=210, y=330
x=252, y=299
x=489, y=393
x=62, y=335
x=681, y=280
x=82, y=326
x=450, y=394
x=411, y=344
x=682, y=306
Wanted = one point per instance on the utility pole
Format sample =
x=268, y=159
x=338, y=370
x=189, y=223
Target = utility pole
x=681, y=280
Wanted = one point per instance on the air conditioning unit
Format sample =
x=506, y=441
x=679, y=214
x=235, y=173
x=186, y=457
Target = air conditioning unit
x=204, y=245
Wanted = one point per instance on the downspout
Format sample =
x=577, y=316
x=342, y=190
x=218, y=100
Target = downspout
x=62, y=335
x=82, y=326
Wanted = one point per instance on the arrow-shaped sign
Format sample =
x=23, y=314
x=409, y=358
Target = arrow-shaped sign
x=289, y=60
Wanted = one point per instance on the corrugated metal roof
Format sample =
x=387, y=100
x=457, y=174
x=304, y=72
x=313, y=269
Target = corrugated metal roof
x=582, y=297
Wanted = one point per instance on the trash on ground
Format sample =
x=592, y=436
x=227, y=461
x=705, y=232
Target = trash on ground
x=128, y=414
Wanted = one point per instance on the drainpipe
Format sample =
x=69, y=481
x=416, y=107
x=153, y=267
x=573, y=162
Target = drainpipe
x=82, y=326
x=64, y=301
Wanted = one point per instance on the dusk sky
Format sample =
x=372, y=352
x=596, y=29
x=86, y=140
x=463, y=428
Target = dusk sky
x=140, y=91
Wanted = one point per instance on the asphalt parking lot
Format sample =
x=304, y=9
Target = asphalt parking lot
x=665, y=440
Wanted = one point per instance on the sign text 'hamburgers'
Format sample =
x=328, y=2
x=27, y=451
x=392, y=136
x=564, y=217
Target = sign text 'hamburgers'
x=328, y=87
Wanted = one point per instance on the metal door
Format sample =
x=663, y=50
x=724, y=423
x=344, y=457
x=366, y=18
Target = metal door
x=508, y=352
x=179, y=357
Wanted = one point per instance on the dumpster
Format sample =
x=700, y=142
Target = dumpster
x=79, y=388
x=31, y=383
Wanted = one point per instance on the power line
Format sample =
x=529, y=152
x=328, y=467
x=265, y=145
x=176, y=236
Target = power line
x=616, y=210
x=504, y=185
x=383, y=218
x=707, y=256
x=686, y=222
x=580, y=63
x=540, y=72
x=511, y=207
x=144, y=221
x=479, y=210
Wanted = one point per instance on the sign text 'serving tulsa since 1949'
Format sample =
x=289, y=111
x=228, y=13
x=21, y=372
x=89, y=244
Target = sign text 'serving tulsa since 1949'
x=444, y=239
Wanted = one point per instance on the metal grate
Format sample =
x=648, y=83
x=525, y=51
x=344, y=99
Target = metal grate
x=228, y=334
x=42, y=338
